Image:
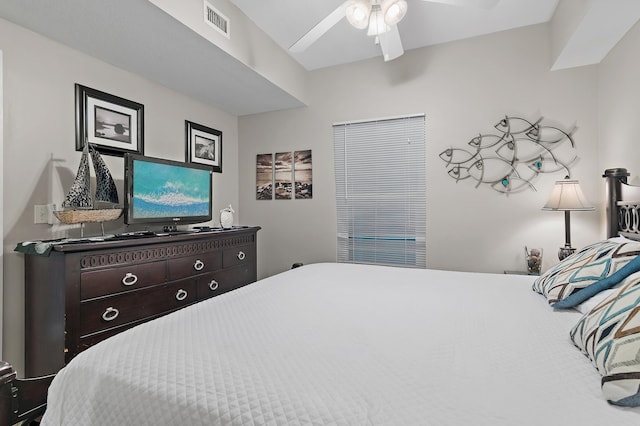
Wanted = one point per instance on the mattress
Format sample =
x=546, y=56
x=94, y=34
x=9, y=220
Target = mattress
x=342, y=344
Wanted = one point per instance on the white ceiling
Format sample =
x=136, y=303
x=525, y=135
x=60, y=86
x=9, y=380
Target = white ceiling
x=139, y=37
x=425, y=24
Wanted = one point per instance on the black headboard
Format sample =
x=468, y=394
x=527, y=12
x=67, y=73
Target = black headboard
x=622, y=205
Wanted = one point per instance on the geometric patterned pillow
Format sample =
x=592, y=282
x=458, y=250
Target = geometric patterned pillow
x=585, y=267
x=610, y=336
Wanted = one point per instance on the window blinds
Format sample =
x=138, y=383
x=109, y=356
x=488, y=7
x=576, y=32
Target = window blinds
x=380, y=191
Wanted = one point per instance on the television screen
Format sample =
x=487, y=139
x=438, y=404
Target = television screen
x=166, y=192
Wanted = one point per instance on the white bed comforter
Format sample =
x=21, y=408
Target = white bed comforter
x=339, y=344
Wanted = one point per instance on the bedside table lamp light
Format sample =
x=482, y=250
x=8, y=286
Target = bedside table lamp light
x=567, y=196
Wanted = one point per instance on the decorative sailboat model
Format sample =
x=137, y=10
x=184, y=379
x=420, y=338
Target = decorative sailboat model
x=79, y=206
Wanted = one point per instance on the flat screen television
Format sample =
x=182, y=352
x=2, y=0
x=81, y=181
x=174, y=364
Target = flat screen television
x=171, y=193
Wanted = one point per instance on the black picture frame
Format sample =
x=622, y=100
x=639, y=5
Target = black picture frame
x=203, y=145
x=114, y=125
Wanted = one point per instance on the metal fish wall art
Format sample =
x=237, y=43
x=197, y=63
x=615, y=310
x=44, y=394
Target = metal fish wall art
x=511, y=159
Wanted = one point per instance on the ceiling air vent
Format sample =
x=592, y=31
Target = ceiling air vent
x=217, y=20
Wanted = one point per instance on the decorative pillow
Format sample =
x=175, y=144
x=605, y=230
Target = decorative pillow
x=586, y=306
x=585, y=267
x=610, y=336
x=607, y=283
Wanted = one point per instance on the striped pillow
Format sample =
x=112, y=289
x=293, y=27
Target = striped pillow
x=610, y=336
x=585, y=267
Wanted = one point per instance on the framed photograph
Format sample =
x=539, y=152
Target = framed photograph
x=303, y=174
x=282, y=176
x=204, y=145
x=264, y=177
x=114, y=125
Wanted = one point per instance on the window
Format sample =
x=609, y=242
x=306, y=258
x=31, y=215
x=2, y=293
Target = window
x=380, y=191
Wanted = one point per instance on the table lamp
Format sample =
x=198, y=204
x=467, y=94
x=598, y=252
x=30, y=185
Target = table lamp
x=567, y=196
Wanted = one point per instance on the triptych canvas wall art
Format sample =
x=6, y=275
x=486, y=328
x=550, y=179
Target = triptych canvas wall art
x=284, y=175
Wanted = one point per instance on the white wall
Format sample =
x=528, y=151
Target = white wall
x=39, y=77
x=619, y=108
x=464, y=88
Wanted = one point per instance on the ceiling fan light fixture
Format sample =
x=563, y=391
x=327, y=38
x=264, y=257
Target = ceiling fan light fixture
x=376, y=22
x=358, y=13
x=393, y=11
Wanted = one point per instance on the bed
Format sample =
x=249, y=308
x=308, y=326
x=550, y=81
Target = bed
x=346, y=344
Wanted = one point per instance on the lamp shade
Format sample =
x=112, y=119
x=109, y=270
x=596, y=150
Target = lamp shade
x=567, y=196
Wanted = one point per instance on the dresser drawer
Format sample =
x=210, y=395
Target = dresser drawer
x=214, y=284
x=188, y=266
x=225, y=280
x=108, y=281
x=238, y=255
x=101, y=314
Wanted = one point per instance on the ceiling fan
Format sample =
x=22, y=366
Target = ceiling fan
x=380, y=17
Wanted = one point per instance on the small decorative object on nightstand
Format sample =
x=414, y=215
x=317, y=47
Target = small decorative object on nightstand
x=533, y=259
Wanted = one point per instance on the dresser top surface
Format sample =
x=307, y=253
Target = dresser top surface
x=131, y=239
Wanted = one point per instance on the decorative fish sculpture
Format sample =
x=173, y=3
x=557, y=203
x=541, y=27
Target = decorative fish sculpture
x=489, y=141
x=510, y=160
x=510, y=184
x=516, y=125
x=546, y=165
x=490, y=170
x=457, y=156
x=522, y=150
x=550, y=135
x=459, y=173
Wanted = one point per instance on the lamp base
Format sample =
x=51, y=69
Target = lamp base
x=565, y=251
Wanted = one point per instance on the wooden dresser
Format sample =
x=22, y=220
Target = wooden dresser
x=84, y=292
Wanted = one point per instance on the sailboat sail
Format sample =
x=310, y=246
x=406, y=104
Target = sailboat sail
x=105, y=186
x=79, y=195
x=78, y=207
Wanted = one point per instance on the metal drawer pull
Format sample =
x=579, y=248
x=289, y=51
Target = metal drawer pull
x=213, y=285
x=241, y=255
x=198, y=265
x=181, y=294
x=110, y=314
x=129, y=279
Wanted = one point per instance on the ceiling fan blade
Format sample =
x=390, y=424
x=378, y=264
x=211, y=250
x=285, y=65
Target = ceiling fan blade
x=391, y=44
x=318, y=31
x=483, y=4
